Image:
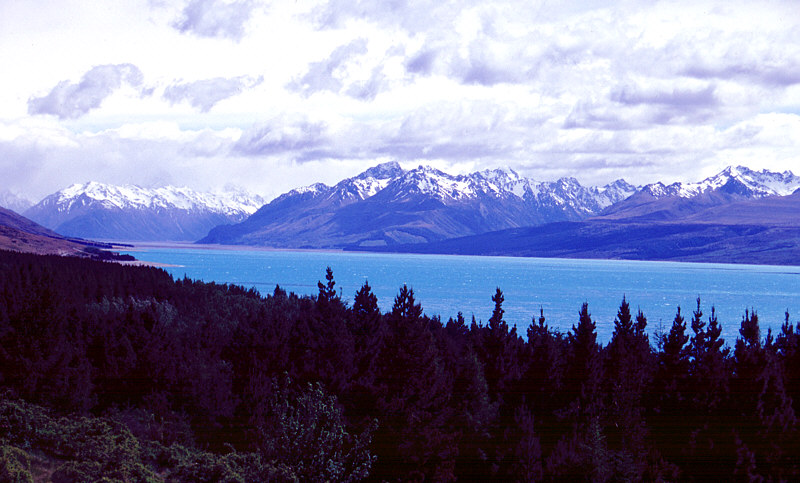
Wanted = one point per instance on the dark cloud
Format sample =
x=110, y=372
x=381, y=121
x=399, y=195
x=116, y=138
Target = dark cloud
x=70, y=100
x=215, y=18
x=783, y=75
x=422, y=62
x=367, y=90
x=282, y=136
x=686, y=98
x=322, y=75
x=204, y=94
x=641, y=108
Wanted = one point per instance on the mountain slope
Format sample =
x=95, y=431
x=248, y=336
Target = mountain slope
x=96, y=210
x=20, y=234
x=760, y=231
x=677, y=201
x=387, y=205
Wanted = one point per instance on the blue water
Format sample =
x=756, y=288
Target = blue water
x=446, y=284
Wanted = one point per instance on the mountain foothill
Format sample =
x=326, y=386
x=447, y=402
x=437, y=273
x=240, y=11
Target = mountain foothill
x=738, y=215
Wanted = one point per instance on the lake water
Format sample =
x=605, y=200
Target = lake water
x=445, y=284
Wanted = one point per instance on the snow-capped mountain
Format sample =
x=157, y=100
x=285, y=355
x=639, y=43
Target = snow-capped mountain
x=737, y=180
x=14, y=202
x=102, y=211
x=679, y=200
x=387, y=204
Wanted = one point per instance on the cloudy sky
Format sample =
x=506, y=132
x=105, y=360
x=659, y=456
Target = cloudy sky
x=270, y=95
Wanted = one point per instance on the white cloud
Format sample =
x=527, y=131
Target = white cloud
x=204, y=94
x=235, y=90
x=215, y=18
x=70, y=100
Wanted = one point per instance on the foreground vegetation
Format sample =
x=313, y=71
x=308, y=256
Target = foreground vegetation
x=123, y=373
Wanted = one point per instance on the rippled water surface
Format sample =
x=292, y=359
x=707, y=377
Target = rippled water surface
x=446, y=284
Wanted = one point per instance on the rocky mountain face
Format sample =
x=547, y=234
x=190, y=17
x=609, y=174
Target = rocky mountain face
x=388, y=205
x=737, y=216
x=677, y=201
x=101, y=211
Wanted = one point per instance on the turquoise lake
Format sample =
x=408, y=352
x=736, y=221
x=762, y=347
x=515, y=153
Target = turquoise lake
x=446, y=284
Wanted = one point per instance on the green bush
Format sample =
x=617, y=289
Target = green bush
x=15, y=465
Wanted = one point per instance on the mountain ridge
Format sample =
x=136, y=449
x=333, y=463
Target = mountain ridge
x=765, y=230
x=129, y=212
x=387, y=204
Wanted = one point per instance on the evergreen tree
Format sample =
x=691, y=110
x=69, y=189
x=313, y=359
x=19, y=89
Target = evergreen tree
x=583, y=372
x=365, y=303
x=708, y=390
x=368, y=330
x=627, y=374
x=670, y=402
x=412, y=440
x=328, y=298
x=497, y=348
x=541, y=382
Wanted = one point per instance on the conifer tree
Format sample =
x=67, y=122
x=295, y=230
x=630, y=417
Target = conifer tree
x=584, y=370
x=412, y=439
x=365, y=303
x=541, y=381
x=627, y=375
x=327, y=291
x=497, y=349
x=368, y=329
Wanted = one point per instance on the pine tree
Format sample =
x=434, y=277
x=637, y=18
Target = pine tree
x=627, y=375
x=327, y=291
x=369, y=331
x=670, y=405
x=497, y=349
x=584, y=371
x=413, y=393
x=365, y=303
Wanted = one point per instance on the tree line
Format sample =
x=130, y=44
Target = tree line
x=222, y=380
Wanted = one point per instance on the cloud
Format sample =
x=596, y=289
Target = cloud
x=326, y=75
x=204, y=94
x=281, y=136
x=368, y=89
x=72, y=100
x=647, y=103
x=681, y=97
x=784, y=74
x=421, y=62
x=215, y=18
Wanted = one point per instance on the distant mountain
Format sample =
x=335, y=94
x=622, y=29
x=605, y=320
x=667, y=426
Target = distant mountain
x=20, y=234
x=677, y=201
x=101, y=211
x=764, y=230
x=14, y=202
x=388, y=205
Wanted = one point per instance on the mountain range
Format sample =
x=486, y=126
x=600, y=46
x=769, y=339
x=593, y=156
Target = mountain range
x=719, y=223
x=387, y=205
x=733, y=214
x=107, y=212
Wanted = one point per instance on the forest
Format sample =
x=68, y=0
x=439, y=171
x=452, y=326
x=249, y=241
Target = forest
x=121, y=373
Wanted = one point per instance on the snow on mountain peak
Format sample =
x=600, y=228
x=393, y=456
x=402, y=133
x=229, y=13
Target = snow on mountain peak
x=744, y=181
x=383, y=171
x=738, y=180
x=169, y=197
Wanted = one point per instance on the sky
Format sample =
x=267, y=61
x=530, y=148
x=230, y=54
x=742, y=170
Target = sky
x=272, y=95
